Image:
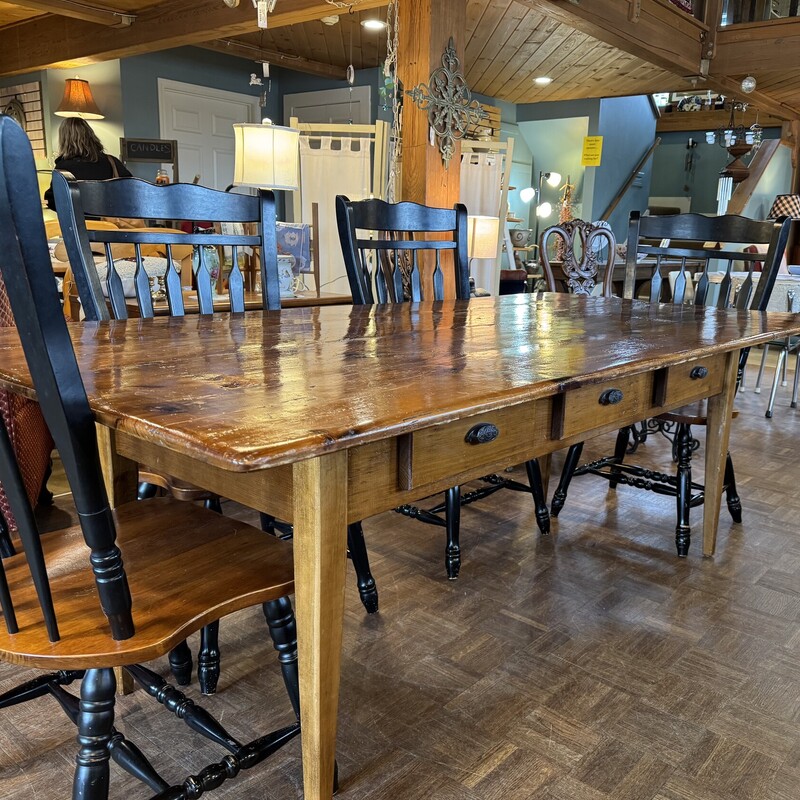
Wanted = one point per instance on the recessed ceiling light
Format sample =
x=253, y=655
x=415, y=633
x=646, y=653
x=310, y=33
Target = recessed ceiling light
x=373, y=24
x=542, y=80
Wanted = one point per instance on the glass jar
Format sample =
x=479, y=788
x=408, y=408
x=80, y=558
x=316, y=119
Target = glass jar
x=162, y=178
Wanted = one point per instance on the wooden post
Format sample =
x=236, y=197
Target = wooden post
x=425, y=28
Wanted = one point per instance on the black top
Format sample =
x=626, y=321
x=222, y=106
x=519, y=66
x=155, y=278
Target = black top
x=85, y=170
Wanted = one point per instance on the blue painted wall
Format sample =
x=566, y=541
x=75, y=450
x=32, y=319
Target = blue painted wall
x=628, y=128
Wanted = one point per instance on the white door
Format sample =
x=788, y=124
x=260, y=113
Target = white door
x=201, y=120
x=340, y=106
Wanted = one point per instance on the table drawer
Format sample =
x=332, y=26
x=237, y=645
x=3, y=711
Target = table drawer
x=502, y=436
x=589, y=407
x=691, y=381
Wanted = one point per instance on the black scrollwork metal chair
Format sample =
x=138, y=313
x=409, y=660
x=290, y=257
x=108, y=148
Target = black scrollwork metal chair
x=669, y=267
x=70, y=605
x=407, y=242
x=133, y=198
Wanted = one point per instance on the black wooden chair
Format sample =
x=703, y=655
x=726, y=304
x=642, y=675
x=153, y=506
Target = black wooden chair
x=409, y=246
x=70, y=605
x=137, y=199
x=670, y=269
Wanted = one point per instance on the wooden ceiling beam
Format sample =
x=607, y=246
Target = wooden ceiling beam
x=59, y=41
x=100, y=15
x=656, y=33
x=747, y=49
x=274, y=57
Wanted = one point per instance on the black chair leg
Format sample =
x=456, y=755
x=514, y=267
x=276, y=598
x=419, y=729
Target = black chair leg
x=147, y=490
x=213, y=504
x=683, y=443
x=180, y=663
x=208, y=659
x=283, y=630
x=357, y=548
x=452, y=551
x=570, y=465
x=731, y=495
x=45, y=497
x=6, y=545
x=620, y=448
x=537, y=490
x=95, y=725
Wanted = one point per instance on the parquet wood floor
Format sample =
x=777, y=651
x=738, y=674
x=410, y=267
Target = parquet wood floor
x=591, y=665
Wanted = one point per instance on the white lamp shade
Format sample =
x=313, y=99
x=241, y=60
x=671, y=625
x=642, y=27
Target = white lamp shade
x=482, y=234
x=527, y=194
x=266, y=156
x=553, y=178
x=544, y=210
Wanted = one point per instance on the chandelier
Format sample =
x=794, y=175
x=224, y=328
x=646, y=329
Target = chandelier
x=733, y=134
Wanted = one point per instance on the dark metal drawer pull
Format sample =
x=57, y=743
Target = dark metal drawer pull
x=610, y=397
x=481, y=433
x=698, y=372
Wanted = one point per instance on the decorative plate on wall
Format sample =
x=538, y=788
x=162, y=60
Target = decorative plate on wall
x=16, y=111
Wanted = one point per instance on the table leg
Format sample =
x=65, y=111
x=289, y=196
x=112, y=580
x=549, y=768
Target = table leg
x=320, y=556
x=121, y=475
x=717, y=432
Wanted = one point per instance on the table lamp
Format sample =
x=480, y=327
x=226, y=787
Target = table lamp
x=78, y=101
x=266, y=156
x=785, y=205
x=482, y=235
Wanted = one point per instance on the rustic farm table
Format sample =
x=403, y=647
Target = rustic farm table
x=325, y=416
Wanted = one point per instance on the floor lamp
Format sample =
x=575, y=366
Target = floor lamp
x=543, y=209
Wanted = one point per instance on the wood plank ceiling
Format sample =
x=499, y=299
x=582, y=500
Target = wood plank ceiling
x=508, y=44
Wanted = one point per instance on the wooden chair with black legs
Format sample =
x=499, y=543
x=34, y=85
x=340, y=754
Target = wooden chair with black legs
x=138, y=199
x=123, y=586
x=672, y=266
x=409, y=248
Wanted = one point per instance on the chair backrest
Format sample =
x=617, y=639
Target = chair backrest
x=133, y=198
x=28, y=276
x=386, y=266
x=580, y=246
x=711, y=246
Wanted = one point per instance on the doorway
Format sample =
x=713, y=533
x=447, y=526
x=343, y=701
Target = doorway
x=201, y=120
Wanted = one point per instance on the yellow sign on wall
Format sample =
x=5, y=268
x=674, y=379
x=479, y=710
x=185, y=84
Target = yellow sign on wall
x=592, y=151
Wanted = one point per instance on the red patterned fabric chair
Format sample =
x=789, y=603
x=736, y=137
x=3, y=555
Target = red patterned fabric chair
x=30, y=438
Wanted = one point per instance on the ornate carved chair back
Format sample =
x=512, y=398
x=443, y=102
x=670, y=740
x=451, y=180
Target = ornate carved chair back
x=583, y=249
x=133, y=198
x=387, y=265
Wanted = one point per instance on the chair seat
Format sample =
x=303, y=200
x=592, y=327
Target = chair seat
x=692, y=414
x=186, y=567
x=180, y=490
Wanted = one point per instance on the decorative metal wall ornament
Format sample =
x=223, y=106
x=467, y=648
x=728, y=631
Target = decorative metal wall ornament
x=448, y=101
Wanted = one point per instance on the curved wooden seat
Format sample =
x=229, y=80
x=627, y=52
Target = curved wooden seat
x=180, y=490
x=693, y=414
x=159, y=539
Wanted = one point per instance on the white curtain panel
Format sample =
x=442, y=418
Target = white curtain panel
x=329, y=166
x=481, y=176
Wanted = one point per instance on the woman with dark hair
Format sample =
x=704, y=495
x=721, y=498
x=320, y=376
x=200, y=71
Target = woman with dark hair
x=81, y=153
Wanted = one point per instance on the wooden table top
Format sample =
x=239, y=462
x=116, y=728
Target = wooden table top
x=250, y=391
